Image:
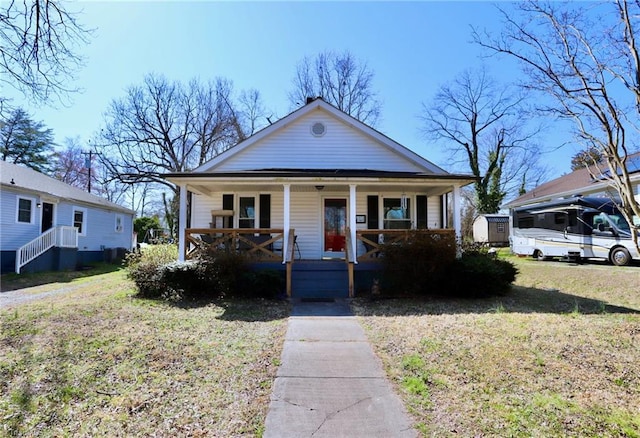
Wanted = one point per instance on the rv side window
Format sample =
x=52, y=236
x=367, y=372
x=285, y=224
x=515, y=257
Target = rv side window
x=523, y=220
x=559, y=218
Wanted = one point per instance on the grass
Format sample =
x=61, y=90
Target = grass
x=100, y=362
x=45, y=281
x=558, y=356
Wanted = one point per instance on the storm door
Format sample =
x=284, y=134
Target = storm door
x=334, y=228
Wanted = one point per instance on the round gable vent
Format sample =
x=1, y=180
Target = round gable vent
x=318, y=129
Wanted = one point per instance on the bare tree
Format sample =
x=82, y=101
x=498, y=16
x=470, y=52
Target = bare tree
x=163, y=126
x=583, y=58
x=39, y=43
x=341, y=80
x=590, y=157
x=252, y=110
x=483, y=124
x=70, y=165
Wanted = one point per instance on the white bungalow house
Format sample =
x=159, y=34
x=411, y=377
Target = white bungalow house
x=46, y=224
x=315, y=186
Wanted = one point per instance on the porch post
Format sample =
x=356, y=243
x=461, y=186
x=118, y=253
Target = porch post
x=457, y=213
x=352, y=219
x=182, y=223
x=287, y=216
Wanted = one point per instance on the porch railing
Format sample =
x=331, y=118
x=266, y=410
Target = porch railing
x=62, y=236
x=372, y=240
x=260, y=243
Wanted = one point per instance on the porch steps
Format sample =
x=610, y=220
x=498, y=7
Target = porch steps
x=319, y=279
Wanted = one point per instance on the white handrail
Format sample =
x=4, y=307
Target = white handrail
x=62, y=236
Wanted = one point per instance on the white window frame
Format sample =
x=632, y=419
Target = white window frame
x=119, y=223
x=256, y=212
x=83, y=231
x=32, y=218
x=387, y=221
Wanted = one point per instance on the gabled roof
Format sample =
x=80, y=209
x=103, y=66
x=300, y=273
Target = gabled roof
x=340, y=115
x=578, y=182
x=26, y=179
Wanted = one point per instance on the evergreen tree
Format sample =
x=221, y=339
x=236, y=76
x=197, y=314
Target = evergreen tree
x=23, y=141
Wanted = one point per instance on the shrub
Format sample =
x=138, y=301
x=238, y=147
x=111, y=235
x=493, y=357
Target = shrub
x=144, y=268
x=223, y=272
x=426, y=265
x=182, y=279
x=415, y=265
x=266, y=283
x=478, y=276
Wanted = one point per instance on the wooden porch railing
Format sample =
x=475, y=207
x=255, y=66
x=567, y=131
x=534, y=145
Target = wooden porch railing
x=261, y=243
x=374, y=239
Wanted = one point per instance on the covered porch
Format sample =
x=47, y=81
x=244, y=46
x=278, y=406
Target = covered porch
x=321, y=216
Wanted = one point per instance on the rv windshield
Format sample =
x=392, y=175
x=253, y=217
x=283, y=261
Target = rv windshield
x=619, y=221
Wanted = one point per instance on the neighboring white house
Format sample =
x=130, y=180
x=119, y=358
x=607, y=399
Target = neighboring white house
x=46, y=224
x=321, y=179
x=492, y=229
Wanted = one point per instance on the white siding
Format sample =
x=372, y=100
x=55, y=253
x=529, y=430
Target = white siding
x=341, y=147
x=434, y=212
x=306, y=213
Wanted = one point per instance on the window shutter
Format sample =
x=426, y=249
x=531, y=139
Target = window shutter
x=227, y=202
x=373, y=222
x=265, y=211
x=421, y=212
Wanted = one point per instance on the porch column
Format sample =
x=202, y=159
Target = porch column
x=182, y=223
x=287, y=216
x=457, y=213
x=352, y=218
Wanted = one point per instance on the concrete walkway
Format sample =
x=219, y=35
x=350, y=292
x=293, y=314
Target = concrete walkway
x=330, y=384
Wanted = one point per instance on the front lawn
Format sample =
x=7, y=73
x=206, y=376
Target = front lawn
x=107, y=364
x=559, y=356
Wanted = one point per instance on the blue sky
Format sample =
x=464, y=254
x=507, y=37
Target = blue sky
x=412, y=47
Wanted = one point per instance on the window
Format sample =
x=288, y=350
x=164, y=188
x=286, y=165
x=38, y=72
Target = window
x=396, y=214
x=500, y=227
x=25, y=210
x=247, y=216
x=119, y=223
x=80, y=220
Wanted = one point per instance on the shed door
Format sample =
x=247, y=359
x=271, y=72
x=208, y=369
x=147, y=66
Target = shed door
x=335, y=227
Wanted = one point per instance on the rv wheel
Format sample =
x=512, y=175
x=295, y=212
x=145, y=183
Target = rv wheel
x=539, y=255
x=620, y=256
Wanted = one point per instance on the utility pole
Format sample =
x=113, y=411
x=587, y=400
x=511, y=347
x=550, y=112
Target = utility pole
x=87, y=164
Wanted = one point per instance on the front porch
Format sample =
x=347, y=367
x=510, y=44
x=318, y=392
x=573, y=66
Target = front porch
x=276, y=248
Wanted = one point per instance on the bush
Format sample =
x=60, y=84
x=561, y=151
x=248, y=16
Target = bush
x=267, y=283
x=223, y=272
x=414, y=266
x=426, y=265
x=144, y=268
x=182, y=279
x=479, y=276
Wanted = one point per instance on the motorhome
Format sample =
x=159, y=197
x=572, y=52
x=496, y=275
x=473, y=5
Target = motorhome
x=573, y=228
